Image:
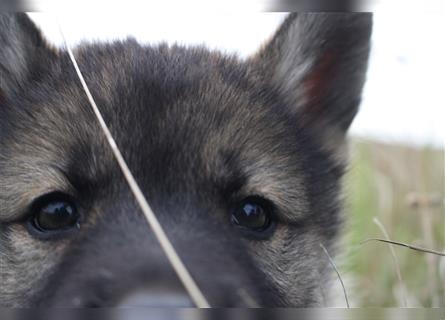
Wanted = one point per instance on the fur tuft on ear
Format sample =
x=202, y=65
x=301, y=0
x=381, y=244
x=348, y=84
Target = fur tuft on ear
x=318, y=62
x=24, y=54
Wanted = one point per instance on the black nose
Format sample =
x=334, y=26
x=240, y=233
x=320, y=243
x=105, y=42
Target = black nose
x=161, y=297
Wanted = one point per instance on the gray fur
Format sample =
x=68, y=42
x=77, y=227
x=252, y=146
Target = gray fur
x=200, y=131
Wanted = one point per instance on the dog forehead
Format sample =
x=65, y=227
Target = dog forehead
x=170, y=110
x=169, y=94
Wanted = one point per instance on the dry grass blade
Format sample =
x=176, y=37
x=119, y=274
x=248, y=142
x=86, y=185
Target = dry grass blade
x=183, y=274
x=396, y=261
x=338, y=273
x=416, y=248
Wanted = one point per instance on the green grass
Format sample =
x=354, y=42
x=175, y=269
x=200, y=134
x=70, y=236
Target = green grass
x=379, y=181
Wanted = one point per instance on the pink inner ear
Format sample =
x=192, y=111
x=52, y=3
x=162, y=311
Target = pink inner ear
x=316, y=82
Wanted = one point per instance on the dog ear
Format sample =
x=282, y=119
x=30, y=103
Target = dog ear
x=24, y=54
x=318, y=61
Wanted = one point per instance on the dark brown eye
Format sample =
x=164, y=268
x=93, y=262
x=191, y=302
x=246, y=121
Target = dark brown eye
x=54, y=212
x=253, y=213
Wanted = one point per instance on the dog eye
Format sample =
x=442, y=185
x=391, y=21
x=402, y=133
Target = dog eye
x=54, y=212
x=253, y=213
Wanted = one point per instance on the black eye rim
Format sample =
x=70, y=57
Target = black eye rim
x=259, y=233
x=39, y=203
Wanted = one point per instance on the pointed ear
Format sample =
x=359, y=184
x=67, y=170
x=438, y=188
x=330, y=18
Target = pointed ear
x=318, y=61
x=24, y=54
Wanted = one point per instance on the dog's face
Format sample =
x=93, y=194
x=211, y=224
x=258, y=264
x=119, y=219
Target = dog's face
x=241, y=161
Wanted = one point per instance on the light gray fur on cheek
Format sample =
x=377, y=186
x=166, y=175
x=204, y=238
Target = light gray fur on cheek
x=292, y=262
x=25, y=263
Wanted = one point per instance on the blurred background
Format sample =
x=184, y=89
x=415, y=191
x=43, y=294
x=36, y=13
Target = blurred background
x=395, y=187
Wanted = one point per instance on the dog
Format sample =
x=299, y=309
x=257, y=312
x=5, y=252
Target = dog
x=241, y=160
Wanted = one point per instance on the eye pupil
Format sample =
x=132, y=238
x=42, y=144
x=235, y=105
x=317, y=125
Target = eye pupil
x=252, y=215
x=55, y=215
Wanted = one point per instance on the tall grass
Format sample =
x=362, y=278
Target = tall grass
x=403, y=187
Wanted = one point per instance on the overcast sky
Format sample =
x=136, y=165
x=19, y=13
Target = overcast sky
x=403, y=99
